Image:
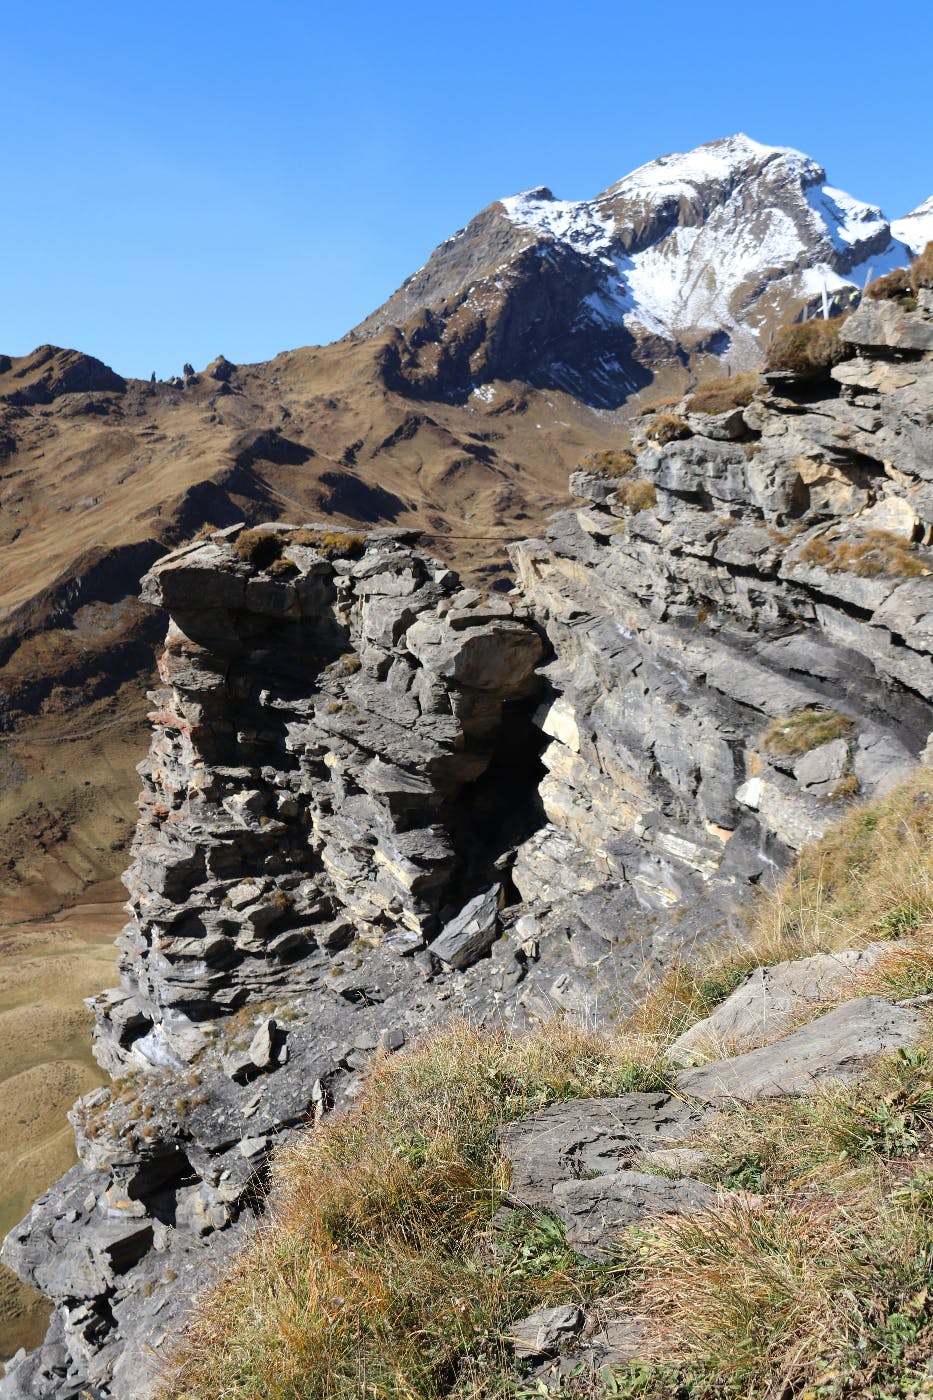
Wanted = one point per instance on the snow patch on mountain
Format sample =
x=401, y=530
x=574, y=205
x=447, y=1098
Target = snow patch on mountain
x=845, y=221
x=572, y=222
x=916, y=228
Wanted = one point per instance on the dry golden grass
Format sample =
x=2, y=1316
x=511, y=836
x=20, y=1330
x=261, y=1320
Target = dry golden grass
x=870, y=877
x=377, y=1272
x=720, y=395
x=809, y=349
x=870, y=555
x=821, y=1295
x=816, y=1283
x=803, y=730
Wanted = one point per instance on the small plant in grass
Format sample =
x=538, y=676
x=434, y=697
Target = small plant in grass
x=803, y=730
x=901, y=921
x=809, y=349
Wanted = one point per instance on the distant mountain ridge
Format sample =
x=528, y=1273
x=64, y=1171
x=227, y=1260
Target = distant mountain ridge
x=691, y=258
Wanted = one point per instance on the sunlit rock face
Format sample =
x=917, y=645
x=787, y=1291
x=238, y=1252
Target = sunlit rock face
x=375, y=799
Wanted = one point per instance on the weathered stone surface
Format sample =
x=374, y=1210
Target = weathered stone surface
x=595, y=1209
x=591, y=1137
x=543, y=1332
x=472, y=932
x=765, y=1003
x=832, y=1047
x=885, y=325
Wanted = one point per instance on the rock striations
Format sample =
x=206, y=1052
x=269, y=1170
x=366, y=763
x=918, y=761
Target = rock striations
x=375, y=798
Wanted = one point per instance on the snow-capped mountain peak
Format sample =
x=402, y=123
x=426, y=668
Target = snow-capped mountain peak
x=694, y=254
x=916, y=228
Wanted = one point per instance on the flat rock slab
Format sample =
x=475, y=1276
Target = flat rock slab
x=765, y=1003
x=833, y=1047
x=591, y=1137
x=472, y=932
x=542, y=1333
x=593, y=1210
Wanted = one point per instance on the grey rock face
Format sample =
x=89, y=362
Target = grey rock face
x=374, y=799
x=541, y=1333
x=471, y=933
x=763, y=1006
x=779, y=573
x=595, y=1210
x=591, y=1138
x=833, y=1047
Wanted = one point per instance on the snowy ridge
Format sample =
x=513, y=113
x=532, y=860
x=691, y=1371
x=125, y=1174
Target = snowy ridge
x=745, y=212
x=691, y=261
x=916, y=228
x=718, y=162
x=576, y=224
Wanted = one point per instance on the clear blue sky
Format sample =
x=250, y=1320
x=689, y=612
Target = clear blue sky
x=184, y=179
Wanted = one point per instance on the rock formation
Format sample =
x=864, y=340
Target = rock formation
x=375, y=798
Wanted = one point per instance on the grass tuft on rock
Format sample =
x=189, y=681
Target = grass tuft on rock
x=667, y=427
x=804, y=730
x=871, y=554
x=609, y=465
x=808, y=349
x=263, y=549
x=636, y=496
x=720, y=395
x=905, y=283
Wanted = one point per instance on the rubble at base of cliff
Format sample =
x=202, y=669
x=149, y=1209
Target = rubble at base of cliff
x=376, y=800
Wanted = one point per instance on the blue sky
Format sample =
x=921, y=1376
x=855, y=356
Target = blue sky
x=184, y=179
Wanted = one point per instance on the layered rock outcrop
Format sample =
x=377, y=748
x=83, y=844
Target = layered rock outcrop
x=374, y=798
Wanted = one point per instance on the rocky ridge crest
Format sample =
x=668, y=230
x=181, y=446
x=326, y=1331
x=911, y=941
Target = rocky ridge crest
x=374, y=798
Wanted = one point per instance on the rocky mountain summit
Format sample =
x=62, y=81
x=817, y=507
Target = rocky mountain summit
x=375, y=798
x=691, y=260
